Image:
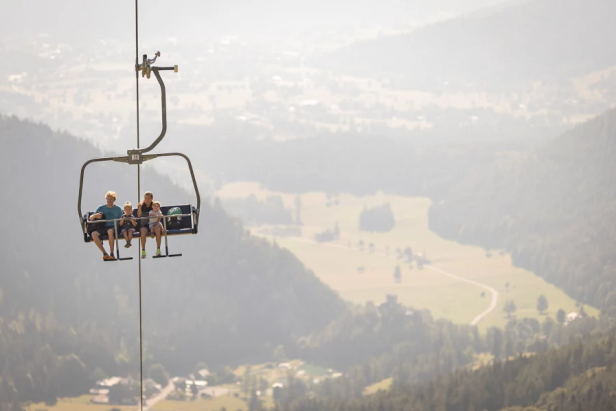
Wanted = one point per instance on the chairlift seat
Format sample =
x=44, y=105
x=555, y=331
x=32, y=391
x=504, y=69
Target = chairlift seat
x=188, y=224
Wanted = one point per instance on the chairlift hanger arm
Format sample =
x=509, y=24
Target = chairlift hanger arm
x=123, y=159
x=163, y=101
x=146, y=69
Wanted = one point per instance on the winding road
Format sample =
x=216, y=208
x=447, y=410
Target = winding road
x=161, y=396
x=478, y=284
x=474, y=321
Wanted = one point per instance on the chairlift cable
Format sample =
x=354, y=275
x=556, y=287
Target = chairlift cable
x=139, y=196
x=136, y=157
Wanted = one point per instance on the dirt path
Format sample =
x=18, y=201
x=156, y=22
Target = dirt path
x=474, y=321
x=163, y=394
x=478, y=284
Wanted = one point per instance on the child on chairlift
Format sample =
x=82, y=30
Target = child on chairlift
x=155, y=224
x=128, y=223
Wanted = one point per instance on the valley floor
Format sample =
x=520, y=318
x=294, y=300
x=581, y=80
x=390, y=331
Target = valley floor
x=465, y=284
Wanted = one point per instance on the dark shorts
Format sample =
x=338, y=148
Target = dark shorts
x=103, y=230
x=127, y=227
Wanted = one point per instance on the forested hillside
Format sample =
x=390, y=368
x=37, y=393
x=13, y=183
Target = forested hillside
x=553, y=209
x=577, y=377
x=408, y=348
x=230, y=298
x=354, y=163
x=537, y=40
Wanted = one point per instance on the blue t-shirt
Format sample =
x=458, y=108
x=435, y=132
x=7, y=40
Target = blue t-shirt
x=110, y=213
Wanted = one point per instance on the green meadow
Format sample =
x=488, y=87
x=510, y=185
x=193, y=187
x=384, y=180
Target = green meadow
x=360, y=275
x=76, y=404
x=229, y=402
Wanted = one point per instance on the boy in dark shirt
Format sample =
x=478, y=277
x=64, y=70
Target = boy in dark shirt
x=128, y=223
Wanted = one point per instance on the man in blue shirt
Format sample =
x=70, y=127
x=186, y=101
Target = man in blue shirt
x=107, y=212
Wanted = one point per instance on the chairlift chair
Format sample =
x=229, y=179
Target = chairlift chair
x=178, y=224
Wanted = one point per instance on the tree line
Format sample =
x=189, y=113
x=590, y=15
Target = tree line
x=578, y=376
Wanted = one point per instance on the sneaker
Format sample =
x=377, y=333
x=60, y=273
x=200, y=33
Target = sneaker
x=158, y=252
x=128, y=245
x=143, y=254
x=111, y=257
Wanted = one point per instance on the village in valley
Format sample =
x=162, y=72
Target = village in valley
x=239, y=387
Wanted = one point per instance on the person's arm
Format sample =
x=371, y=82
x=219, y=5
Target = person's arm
x=160, y=214
x=96, y=216
x=122, y=222
x=139, y=210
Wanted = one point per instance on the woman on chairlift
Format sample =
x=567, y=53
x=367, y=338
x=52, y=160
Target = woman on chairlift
x=143, y=210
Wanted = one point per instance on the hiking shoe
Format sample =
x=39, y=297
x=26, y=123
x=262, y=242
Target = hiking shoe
x=127, y=245
x=158, y=252
x=143, y=254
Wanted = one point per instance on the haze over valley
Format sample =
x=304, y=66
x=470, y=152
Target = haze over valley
x=404, y=206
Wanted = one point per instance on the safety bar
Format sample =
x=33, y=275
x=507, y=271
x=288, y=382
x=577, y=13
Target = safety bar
x=124, y=159
x=137, y=218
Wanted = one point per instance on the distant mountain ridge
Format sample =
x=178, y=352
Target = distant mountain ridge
x=537, y=40
x=116, y=19
x=554, y=209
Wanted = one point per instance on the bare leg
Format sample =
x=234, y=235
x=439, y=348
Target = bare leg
x=111, y=240
x=144, y=232
x=159, y=231
x=98, y=242
x=130, y=235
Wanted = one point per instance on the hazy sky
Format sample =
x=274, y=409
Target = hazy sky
x=115, y=18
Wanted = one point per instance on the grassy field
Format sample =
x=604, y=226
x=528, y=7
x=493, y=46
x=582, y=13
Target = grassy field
x=337, y=263
x=381, y=385
x=76, y=404
x=83, y=403
x=215, y=404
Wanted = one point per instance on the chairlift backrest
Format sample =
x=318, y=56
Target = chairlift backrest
x=187, y=224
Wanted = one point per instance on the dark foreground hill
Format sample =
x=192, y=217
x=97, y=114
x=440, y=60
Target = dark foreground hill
x=577, y=377
x=537, y=40
x=230, y=298
x=554, y=209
